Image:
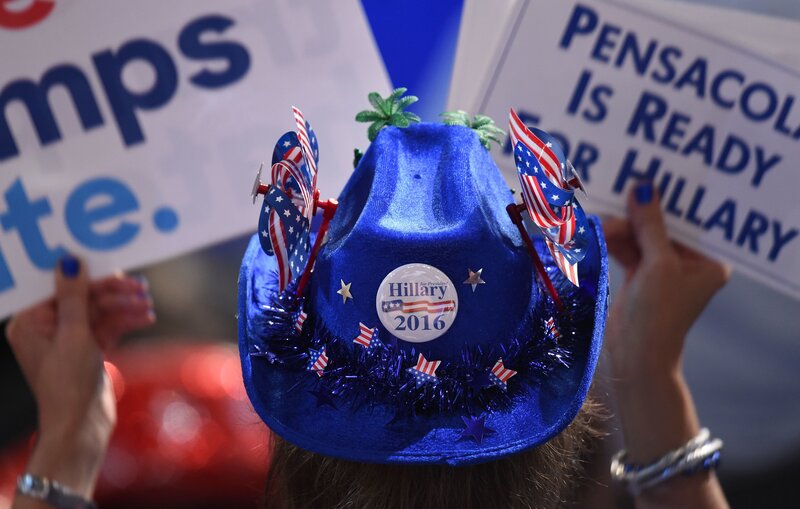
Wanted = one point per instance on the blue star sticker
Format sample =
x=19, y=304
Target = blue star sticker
x=476, y=428
x=323, y=398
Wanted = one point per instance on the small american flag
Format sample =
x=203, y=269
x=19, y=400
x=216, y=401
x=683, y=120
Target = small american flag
x=548, y=196
x=301, y=318
x=424, y=371
x=318, y=361
x=551, y=329
x=500, y=374
x=365, y=336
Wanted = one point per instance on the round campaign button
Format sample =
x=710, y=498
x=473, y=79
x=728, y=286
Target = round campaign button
x=417, y=302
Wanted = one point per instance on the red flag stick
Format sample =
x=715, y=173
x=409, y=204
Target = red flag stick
x=514, y=211
x=328, y=210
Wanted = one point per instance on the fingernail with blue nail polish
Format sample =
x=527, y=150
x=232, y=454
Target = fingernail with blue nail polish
x=70, y=266
x=644, y=193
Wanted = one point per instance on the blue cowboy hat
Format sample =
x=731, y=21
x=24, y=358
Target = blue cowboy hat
x=425, y=336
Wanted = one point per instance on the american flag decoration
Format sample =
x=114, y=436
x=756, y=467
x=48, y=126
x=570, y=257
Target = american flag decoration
x=500, y=374
x=548, y=181
x=551, y=329
x=289, y=200
x=318, y=361
x=301, y=318
x=424, y=371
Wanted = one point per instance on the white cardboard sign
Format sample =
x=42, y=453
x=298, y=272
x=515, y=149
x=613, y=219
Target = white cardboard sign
x=632, y=96
x=131, y=131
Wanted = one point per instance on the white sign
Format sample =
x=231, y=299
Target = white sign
x=131, y=131
x=634, y=96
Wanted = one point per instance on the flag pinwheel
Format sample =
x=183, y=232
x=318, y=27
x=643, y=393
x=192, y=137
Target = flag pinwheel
x=548, y=183
x=290, y=201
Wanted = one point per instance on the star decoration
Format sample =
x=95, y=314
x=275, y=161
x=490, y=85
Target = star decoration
x=476, y=428
x=581, y=229
x=424, y=371
x=264, y=233
x=500, y=374
x=317, y=360
x=474, y=279
x=323, y=398
x=344, y=291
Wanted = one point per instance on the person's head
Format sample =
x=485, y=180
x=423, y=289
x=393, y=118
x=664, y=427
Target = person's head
x=548, y=476
x=393, y=363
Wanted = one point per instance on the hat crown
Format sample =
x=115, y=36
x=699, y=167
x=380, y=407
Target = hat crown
x=426, y=194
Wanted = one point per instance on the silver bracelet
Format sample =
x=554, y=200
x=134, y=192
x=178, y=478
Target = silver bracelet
x=699, y=453
x=51, y=492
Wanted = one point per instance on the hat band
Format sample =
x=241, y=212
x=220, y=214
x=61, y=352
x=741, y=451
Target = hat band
x=364, y=370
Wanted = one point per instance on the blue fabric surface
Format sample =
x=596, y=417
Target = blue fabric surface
x=425, y=194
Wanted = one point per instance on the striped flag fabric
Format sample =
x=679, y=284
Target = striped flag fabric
x=318, y=361
x=499, y=374
x=438, y=307
x=285, y=220
x=548, y=196
x=551, y=329
x=301, y=319
x=284, y=233
x=365, y=335
x=308, y=142
x=424, y=371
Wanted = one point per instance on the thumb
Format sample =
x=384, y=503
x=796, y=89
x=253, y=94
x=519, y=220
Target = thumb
x=72, y=293
x=647, y=220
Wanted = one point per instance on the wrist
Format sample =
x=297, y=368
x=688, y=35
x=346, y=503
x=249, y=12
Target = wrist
x=72, y=459
x=642, y=358
x=657, y=414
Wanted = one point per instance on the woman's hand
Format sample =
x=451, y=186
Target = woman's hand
x=666, y=288
x=59, y=346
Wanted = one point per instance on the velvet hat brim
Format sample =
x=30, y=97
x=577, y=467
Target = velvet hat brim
x=537, y=412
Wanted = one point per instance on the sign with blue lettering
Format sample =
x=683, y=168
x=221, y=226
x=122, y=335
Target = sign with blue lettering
x=130, y=131
x=633, y=96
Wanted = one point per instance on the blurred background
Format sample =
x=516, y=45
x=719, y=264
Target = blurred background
x=188, y=437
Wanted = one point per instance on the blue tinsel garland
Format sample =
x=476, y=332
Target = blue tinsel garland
x=378, y=376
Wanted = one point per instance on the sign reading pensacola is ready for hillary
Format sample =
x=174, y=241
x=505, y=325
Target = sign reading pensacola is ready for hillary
x=131, y=131
x=632, y=96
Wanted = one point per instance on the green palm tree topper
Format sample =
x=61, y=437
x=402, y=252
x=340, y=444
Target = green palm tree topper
x=484, y=126
x=388, y=111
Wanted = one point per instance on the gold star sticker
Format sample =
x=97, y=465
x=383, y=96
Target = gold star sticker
x=474, y=279
x=344, y=291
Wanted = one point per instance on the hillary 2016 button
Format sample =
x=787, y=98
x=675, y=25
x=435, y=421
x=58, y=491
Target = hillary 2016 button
x=417, y=302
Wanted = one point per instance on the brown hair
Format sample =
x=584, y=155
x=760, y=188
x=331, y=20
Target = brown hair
x=545, y=477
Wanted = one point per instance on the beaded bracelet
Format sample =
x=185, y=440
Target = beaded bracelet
x=701, y=453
